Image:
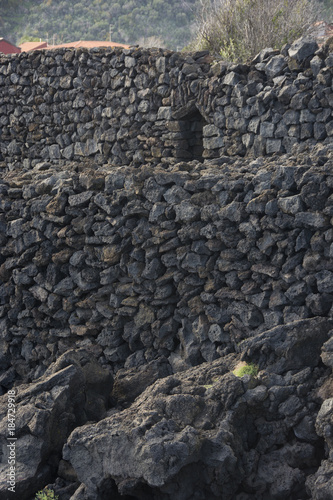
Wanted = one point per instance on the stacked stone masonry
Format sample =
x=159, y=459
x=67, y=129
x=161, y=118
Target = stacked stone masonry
x=162, y=219
x=183, y=261
x=138, y=105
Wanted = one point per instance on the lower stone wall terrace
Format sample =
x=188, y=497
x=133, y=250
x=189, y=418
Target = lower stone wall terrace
x=182, y=262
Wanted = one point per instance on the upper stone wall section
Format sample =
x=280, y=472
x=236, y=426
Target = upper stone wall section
x=151, y=105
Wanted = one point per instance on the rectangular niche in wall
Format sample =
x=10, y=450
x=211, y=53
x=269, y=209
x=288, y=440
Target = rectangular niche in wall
x=185, y=136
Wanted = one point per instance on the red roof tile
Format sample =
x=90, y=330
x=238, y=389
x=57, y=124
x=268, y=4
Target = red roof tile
x=27, y=46
x=88, y=44
x=8, y=48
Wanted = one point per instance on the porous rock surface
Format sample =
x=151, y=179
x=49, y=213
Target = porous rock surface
x=205, y=433
x=73, y=390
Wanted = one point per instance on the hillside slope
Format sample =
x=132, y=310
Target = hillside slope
x=152, y=22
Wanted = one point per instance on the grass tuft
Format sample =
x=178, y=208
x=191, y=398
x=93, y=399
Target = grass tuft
x=46, y=494
x=246, y=369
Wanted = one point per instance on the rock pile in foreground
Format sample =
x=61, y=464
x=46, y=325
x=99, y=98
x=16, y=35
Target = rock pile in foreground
x=128, y=298
x=202, y=433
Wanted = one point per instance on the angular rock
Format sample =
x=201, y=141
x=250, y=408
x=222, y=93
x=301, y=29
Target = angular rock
x=302, y=49
x=46, y=413
x=275, y=66
x=300, y=343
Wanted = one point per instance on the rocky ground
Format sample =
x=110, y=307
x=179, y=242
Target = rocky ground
x=128, y=299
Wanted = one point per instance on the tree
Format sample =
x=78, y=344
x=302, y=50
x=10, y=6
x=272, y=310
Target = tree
x=238, y=29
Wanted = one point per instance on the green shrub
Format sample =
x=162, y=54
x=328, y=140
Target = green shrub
x=46, y=494
x=246, y=369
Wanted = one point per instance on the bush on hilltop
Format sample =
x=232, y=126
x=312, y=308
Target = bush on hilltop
x=238, y=29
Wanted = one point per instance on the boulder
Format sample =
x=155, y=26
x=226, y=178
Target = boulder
x=321, y=483
x=175, y=441
x=303, y=49
x=207, y=433
x=72, y=390
x=290, y=346
x=129, y=383
x=275, y=66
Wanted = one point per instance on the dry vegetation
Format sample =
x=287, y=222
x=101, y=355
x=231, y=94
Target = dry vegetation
x=238, y=29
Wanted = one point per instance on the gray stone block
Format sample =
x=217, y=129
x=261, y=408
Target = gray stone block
x=213, y=142
x=273, y=146
x=275, y=66
x=267, y=129
x=302, y=49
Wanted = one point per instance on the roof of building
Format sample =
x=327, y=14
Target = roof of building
x=11, y=48
x=27, y=46
x=89, y=44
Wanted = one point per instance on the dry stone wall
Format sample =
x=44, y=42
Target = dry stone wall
x=181, y=262
x=138, y=105
x=134, y=234
x=109, y=105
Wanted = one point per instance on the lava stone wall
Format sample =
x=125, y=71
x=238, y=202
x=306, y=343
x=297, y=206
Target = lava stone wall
x=180, y=262
x=109, y=105
x=138, y=105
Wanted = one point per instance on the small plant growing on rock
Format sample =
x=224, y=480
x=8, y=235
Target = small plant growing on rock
x=208, y=386
x=246, y=369
x=46, y=494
